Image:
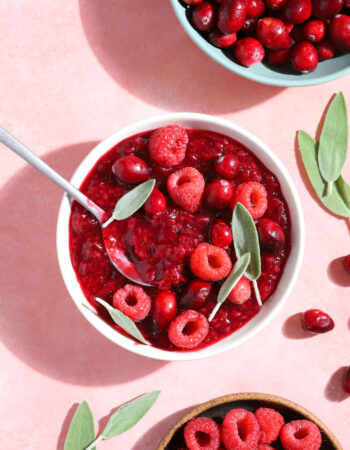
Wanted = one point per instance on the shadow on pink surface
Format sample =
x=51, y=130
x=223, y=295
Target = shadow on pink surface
x=337, y=273
x=144, y=48
x=334, y=390
x=39, y=323
x=292, y=328
x=65, y=426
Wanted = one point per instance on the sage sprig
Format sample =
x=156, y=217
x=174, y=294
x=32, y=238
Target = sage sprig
x=132, y=201
x=123, y=321
x=81, y=431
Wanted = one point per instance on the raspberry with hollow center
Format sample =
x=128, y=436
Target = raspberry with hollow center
x=210, y=263
x=186, y=188
x=240, y=430
x=241, y=292
x=202, y=433
x=270, y=422
x=167, y=146
x=132, y=301
x=301, y=435
x=253, y=196
x=188, y=329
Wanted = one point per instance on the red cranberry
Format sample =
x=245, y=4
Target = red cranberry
x=273, y=33
x=203, y=16
x=232, y=14
x=192, y=2
x=249, y=27
x=278, y=57
x=275, y=5
x=346, y=380
x=271, y=235
x=196, y=295
x=297, y=33
x=156, y=202
x=317, y=321
x=297, y=11
x=256, y=8
x=131, y=170
x=249, y=51
x=325, y=50
x=339, y=32
x=346, y=263
x=326, y=9
x=304, y=57
x=314, y=30
x=222, y=40
x=218, y=193
x=228, y=166
x=163, y=309
x=220, y=234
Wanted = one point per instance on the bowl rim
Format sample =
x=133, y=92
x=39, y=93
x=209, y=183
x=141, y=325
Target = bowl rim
x=242, y=71
x=62, y=235
x=254, y=396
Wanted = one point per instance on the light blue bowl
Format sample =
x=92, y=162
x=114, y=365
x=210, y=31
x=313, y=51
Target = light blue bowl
x=262, y=73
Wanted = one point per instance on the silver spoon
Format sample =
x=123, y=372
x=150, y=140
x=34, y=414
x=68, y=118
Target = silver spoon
x=116, y=255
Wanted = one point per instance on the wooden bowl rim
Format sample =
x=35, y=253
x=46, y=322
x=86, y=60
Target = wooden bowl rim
x=249, y=396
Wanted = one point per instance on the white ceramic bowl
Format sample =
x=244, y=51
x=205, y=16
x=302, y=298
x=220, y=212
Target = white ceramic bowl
x=286, y=283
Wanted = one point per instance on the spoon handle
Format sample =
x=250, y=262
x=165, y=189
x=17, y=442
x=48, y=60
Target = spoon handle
x=12, y=143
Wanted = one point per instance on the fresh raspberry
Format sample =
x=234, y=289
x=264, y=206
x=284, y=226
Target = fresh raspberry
x=202, y=433
x=241, y=292
x=186, y=188
x=253, y=196
x=167, y=146
x=240, y=430
x=265, y=447
x=301, y=435
x=188, y=329
x=270, y=422
x=210, y=263
x=132, y=301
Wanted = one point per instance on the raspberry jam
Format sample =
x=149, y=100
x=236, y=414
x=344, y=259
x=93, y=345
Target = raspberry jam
x=160, y=244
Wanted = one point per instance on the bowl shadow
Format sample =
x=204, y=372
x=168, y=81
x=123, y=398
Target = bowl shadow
x=144, y=48
x=39, y=323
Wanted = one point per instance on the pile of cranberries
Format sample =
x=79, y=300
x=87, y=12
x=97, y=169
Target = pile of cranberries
x=302, y=32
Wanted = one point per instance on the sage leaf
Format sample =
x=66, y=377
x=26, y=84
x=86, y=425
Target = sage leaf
x=81, y=431
x=230, y=282
x=336, y=202
x=129, y=203
x=123, y=321
x=129, y=414
x=333, y=141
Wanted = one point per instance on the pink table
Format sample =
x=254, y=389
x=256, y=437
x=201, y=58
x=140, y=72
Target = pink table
x=72, y=73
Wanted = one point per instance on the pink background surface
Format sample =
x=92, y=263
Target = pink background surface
x=72, y=73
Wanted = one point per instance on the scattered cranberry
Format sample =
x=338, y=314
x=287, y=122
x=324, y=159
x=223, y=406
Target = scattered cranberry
x=297, y=11
x=156, y=202
x=346, y=263
x=131, y=170
x=220, y=234
x=325, y=50
x=221, y=40
x=317, y=321
x=346, y=380
x=314, y=30
x=275, y=5
x=278, y=57
x=326, y=9
x=271, y=235
x=163, y=309
x=273, y=33
x=232, y=14
x=218, y=193
x=304, y=57
x=339, y=32
x=196, y=295
x=249, y=51
x=203, y=16
x=256, y=8
x=227, y=166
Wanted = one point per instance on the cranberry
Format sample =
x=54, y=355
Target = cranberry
x=249, y=51
x=83, y=222
x=196, y=295
x=297, y=33
x=275, y=5
x=203, y=16
x=346, y=380
x=232, y=14
x=339, y=32
x=325, y=50
x=314, y=30
x=271, y=235
x=297, y=11
x=222, y=40
x=317, y=321
x=273, y=33
x=228, y=166
x=156, y=202
x=249, y=27
x=304, y=57
x=278, y=57
x=218, y=193
x=256, y=8
x=326, y=9
x=346, y=263
x=163, y=309
x=192, y=2
x=220, y=234
x=131, y=169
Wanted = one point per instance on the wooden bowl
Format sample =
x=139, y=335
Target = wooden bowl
x=219, y=407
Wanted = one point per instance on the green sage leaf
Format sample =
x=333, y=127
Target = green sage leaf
x=129, y=414
x=338, y=201
x=333, y=141
x=230, y=282
x=81, y=431
x=123, y=321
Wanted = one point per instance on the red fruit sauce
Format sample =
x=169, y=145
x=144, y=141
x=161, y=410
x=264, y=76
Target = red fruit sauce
x=160, y=245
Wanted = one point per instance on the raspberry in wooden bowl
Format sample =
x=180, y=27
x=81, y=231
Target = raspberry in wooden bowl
x=180, y=240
